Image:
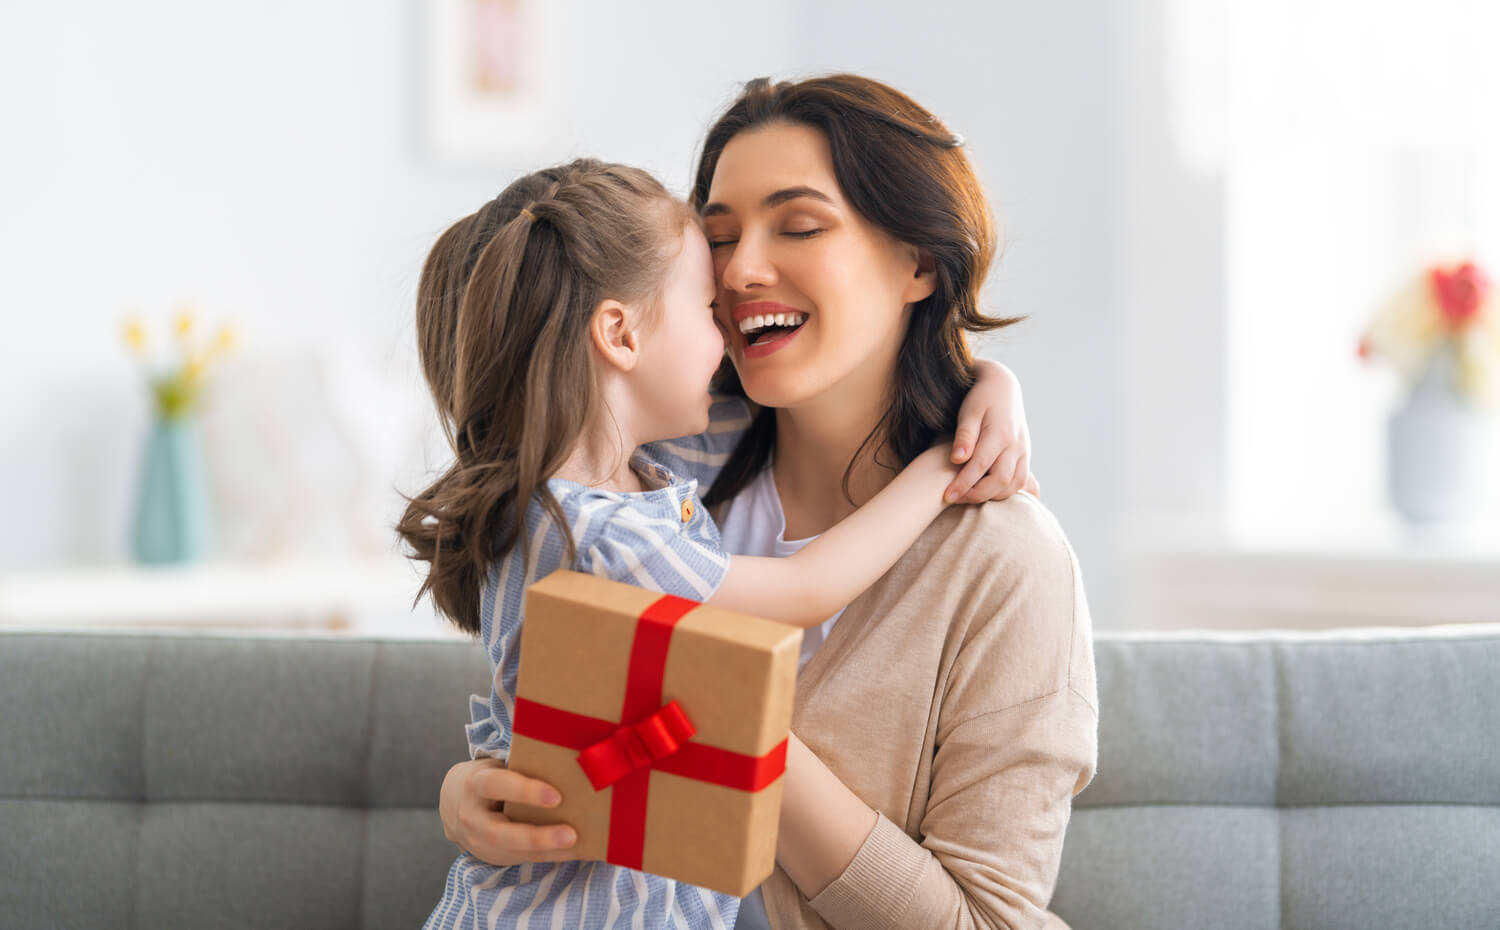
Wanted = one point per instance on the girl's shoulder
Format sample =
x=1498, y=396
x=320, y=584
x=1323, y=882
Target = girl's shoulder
x=661, y=539
x=588, y=511
x=588, y=508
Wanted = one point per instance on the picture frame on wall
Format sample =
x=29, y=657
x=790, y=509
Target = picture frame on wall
x=489, y=87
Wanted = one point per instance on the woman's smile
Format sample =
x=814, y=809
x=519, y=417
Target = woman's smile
x=765, y=326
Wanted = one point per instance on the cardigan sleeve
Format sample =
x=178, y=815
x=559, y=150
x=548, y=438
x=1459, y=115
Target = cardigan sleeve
x=993, y=870
x=1003, y=779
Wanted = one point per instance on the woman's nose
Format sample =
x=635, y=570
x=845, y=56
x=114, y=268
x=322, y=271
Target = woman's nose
x=748, y=267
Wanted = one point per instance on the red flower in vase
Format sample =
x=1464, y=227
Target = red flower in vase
x=1460, y=293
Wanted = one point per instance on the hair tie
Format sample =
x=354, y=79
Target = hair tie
x=526, y=212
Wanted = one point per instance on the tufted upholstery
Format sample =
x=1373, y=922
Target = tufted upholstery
x=160, y=781
x=1316, y=781
x=156, y=780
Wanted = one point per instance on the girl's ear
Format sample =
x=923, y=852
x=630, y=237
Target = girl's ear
x=924, y=281
x=615, y=336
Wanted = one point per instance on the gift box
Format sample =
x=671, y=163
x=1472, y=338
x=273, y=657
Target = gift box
x=663, y=723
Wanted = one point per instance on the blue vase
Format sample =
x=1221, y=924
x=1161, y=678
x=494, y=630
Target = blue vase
x=171, y=516
x=1436, y=450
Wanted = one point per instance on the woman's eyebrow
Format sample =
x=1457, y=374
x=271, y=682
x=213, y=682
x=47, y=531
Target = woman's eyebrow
x=772, y=200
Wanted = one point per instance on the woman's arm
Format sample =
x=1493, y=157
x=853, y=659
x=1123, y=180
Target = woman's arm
x=812, y=585
x=993, y=783
x=990, y=840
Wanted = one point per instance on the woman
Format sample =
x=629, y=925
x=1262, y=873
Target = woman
x=947, y=717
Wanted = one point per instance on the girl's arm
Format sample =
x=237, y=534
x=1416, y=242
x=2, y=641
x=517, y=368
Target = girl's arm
x=807, y=588
x=992, y=439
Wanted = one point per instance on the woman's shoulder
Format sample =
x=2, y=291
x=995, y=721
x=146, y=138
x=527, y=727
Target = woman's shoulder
x=1005, y=579
x=989, y=559
x=1018, y=533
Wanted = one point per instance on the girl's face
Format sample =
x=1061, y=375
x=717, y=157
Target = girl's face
x=682, y=348
x=814, y=298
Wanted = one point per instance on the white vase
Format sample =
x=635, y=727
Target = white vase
x=1437, y=446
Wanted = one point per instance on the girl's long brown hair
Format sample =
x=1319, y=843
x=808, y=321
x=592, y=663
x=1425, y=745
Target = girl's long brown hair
x=503, y=309
x=903, y=171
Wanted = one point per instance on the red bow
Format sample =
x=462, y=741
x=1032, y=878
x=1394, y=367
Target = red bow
x=638, y=746
x=611, y=751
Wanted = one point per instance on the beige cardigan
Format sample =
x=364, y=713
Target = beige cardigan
x=956, y=697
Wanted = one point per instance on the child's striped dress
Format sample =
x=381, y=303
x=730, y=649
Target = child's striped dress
x=648, y=539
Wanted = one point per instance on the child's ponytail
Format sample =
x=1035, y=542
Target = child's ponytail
x=503, y=308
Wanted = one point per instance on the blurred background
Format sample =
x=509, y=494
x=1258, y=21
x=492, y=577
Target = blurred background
x=1255, y=366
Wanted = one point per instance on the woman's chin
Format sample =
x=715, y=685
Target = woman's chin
x=775, y=388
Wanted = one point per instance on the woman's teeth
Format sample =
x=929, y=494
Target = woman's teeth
x=751, y=323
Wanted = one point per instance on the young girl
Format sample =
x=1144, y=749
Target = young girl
x=566, y=332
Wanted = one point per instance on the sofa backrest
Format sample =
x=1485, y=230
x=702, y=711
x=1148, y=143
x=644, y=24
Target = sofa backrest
x=233, y=782
x=1319, y=780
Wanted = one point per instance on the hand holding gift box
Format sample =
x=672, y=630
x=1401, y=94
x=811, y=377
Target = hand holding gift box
x=661, y=721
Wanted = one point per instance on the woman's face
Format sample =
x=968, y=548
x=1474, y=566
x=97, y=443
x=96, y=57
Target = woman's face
x=813, y=298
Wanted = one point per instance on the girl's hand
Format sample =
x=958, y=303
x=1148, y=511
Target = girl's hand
x=993, y=439
x=470, y=807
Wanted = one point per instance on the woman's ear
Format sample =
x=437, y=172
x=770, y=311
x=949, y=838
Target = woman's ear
x=615, y=336
x=924, y=280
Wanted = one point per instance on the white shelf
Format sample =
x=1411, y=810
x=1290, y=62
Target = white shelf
x=1375, y=579
x=354, y=597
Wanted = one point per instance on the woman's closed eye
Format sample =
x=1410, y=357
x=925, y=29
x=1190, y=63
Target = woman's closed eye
x=722, y=241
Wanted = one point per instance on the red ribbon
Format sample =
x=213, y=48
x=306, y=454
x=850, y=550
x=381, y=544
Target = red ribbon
x=648, y=736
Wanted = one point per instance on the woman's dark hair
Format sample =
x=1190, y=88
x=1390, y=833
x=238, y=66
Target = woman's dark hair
x=503, y=309
x=903, y=171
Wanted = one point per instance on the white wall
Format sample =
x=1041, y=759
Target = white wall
x=1030, y=86
x=266, y=160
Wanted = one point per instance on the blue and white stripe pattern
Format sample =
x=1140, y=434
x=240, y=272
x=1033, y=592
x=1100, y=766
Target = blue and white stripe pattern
x=702, y=456
x=640, y=539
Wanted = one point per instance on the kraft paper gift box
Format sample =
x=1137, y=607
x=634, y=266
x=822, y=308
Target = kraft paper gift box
x=661, y=721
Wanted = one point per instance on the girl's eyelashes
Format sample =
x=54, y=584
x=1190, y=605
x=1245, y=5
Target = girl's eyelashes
x=802, y=233
x=715, y=243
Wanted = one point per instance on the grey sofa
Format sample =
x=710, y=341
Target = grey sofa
x=186, y=781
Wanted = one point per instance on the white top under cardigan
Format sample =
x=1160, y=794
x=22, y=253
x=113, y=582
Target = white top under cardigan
x=754, y=524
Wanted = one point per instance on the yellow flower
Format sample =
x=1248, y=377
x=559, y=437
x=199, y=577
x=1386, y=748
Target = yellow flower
x=135, y=335
x=225, y=340
x=187, y=315
x=1407, y=329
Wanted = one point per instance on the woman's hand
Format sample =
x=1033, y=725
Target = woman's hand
x=470, y=807
x=992, y=439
